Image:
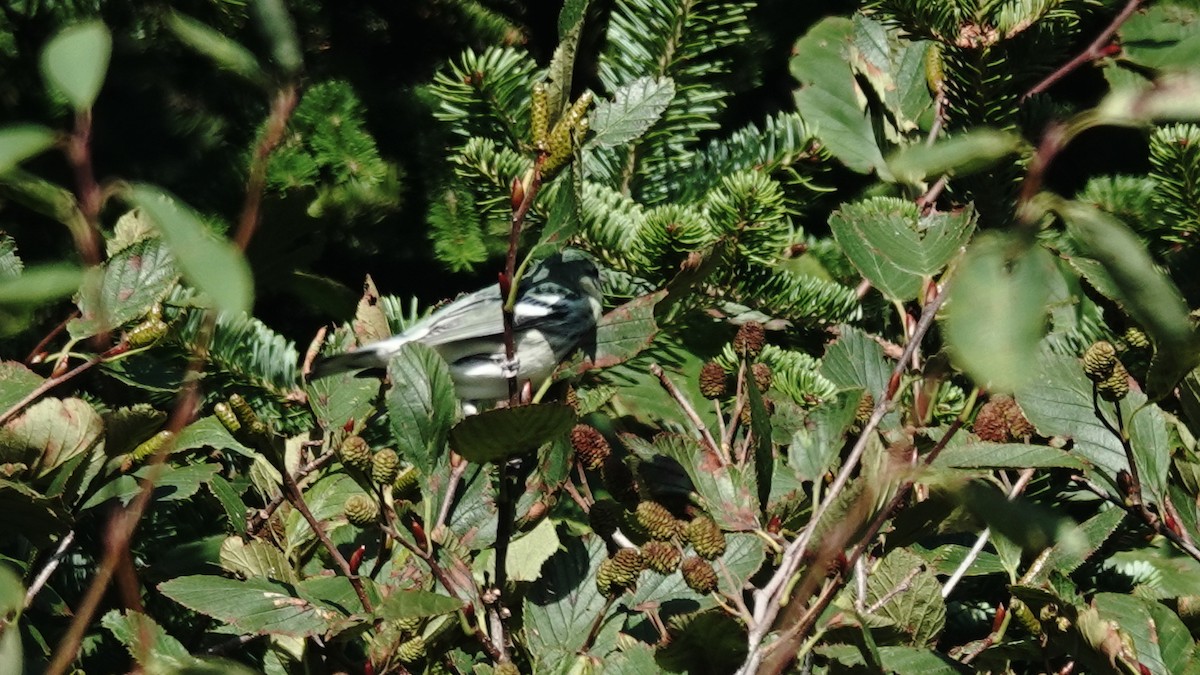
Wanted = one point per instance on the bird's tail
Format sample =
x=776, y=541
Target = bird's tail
x=359, y=359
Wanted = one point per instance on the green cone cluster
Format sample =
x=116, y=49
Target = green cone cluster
x=354, y=452
x=656, y=520
x=661, y=556
x=1116, y=386
x=619, y=572
x=698, y=574
x=705, y=537
x=385, y=466
x=411, y=651
x=1099, y=360
x=1000, y=420
x=361, y=510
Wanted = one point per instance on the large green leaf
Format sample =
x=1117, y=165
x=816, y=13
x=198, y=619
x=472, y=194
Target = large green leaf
x=40, y=284
x=51, y=433
x=495, y=435
x=1163, y=644
x=920, y=610
x=421, y=404
x=894, y=66
x=1142, y=290
x=326, y=500
x=1058, y=401
x=76, y=60
x=256, y=559
x=417, y=604
x=996, y=311
x=214, y=266
x=147, y=642
x=254, y=605
x=560, y=610
x=984, y=455
x=828, y=98
x=16, y=382
x=19, y=142
x=634, y=108
x=856, y=361
x=133, y=281
x=208, y=432
x=226, y=53
x=894, y=247
x=729, y=493
x=959, y=155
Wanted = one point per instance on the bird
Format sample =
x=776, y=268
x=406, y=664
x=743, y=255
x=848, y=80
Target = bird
x=559, y=302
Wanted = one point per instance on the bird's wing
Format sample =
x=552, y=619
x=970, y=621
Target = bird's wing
x=478, y=315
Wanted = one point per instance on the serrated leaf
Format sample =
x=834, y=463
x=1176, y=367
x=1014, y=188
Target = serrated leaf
x=214, y=266
x=208, y=432
x=920, y=610
x=417, y=604
x=856, y=361
x=256, y=559
x=626, y=331
x=343, y=398
x=234, y=507
x=76, y=60
x=894, y=247
x=1058, y=401
x=895, y=659
x=562, y=63
x=50, y=433
x=421, y=404
x=947, y=558
x=252, y=606
x=19, y=142
x=143, y=637
x=1141, y=289
x=828, y=99
x=1093, y=533
x=634, y=108
x=816, y=443
x=134, y=280
x=996, y=312
x=40, y=284
x=498, y=434
x=728, y=493
x=560, y=610
x=984, y=455
x=16, y=382
x=1140, y=620
x=959, y=155
x=226, y=53
x=895, y=68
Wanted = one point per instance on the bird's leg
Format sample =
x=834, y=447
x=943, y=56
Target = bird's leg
x=510, y=367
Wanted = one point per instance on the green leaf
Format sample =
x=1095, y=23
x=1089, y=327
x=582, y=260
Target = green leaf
x=214, y=266
x=895, y=68
x=1154, y=629
x=959, y=155
x=421, y=404
x=253, y=606
x=256, y=559
x=280, y=33
x=1031, y=526
x=816, y=443
x=627, y=330
x=559, y=611
x=325, y=499
x=1175, y=96
x=30, y=514
x=40, y=284
x=342, y=399
x=947, y=558
x=145, y=639
x=895, y=659
x=133, y=281
x=760, y=426
x=208, y=432
x=562, y=64
x=894, y=247
x=1142, y=290
x=983, y=455
x=76, y=60
x=226, y=53
x=12, y=601
x=498, y=434
x=531, y=550
x=235, y=508
x=634, y=108
x=1058, y=401
x=50, y=433
x=16, y=382
x=920, y=610
x=856, y=361
x=728, y=493
x=417, y=604
x=996, y=311
x=19, y=142
x=1094, y=532
x=828, y=99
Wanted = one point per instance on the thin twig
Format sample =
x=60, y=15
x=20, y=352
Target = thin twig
x=1093, y=51
x=281, y=111
x=982, y=539
x=1155, y=524
x=296, y=498
x=456, y=474
x=41, y=345
x=52, y=564
x=51, y=383
x=710, y=444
